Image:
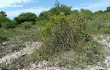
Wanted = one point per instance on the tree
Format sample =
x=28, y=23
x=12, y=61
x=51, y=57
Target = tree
x=99, y=12
x=2, y=13
x=23, y=17
x=108, y=9
x=56, y=10
x=57, y=4
x=3, y=19
x=60, y=8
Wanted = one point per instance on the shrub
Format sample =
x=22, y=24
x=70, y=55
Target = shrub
x=3, y=19
x=24, y=17
x=105, y=30
x=8, y=25
x=2, y=37
x=60, y=35
x=64, y=33
x=26, y=25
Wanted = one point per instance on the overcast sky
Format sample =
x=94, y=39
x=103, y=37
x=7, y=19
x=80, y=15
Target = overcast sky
x=15, y=7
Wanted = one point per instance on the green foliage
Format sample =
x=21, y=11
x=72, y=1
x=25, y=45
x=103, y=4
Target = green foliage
x=3, y=19
x=86, y=14
x=3, y=37
x=95, y=53
x=58, y=9
x=65, y=32
x=2, y=13
x=99, y=12
x=108, y=9
x=106, y=30
x=8, y=25
x=45, y=15
x=100, y=23
x=61, y=34
x=60, y=29
x=75, y=12
x=23, y=17
x=26, y=25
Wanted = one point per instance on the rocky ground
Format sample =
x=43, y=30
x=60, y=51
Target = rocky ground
x=11, y=60
x=105, y=41
x=11, y=57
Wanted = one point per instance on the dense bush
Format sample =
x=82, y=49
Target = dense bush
x=4, y=19
x=64, y=33
x=45, y=15
x=23, y=17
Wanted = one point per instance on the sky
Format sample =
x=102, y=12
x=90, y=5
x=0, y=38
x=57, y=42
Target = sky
x=14, y=7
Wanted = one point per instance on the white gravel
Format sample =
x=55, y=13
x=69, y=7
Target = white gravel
x=9, y=58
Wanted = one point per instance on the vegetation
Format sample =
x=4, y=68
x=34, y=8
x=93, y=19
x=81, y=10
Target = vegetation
x=65, y=33
x=59, y=29
x=26, y=25
x=23, y=17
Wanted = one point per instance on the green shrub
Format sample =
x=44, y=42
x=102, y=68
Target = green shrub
x=24, y=17
x=105, y=30
x=65, y=33
x=2, y=37
x=3, y=19
x=8, y=25
x=61, y=35
x=26, y=25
